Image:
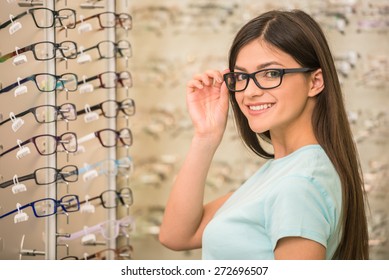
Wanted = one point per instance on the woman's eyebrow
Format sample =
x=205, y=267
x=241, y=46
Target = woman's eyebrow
x=259, y=67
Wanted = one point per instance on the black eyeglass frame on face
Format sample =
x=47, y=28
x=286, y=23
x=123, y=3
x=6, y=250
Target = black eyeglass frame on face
x=56, y=15
x=60, y=174
x=64, y=202
x=59, y=140
x=120, y=106
x=247, y=76
x=59, y=111
x=32, y=47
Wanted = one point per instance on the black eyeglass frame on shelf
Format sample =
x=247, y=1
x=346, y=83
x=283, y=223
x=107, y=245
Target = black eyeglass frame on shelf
x=120, y=106
x=119, y=19
x=59, y=84
x=66, y=203
x=118, y=79
x=59, y=111
x=32, y=47
x=68, y=173
x=119, y=196
x=60, y=140
x=57, y=15
x=118, y=134
x=115, y=46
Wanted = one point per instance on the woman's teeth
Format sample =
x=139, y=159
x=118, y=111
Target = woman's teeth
x=260, y=107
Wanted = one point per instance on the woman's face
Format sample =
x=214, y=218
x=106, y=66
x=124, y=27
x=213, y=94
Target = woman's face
x=282, y=109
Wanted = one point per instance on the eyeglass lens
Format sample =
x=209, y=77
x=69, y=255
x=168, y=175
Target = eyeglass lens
x=48, y=175
x=126, y=106
x=111, y=79
x=267, y=79
x=45, y=18
x=48, y=113
x=47, y=82
x=44, y=207
x=47, y=144
x=111, y=198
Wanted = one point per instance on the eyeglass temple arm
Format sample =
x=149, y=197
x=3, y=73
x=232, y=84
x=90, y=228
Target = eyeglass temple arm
x=79, y=21
x=8, y=22
x=14, y=85
x=15, y=147
x=85, y=138
x=20, y=179
x=18, y=115
x=15, y=210
x=93, y=108
x=80, y=233
x=15, y=53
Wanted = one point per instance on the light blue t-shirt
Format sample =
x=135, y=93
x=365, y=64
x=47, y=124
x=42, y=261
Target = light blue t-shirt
x=297, y=195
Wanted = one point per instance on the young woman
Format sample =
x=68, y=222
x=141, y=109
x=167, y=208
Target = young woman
x=307, y=200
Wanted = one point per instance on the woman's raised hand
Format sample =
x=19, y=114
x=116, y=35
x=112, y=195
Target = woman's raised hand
x=207, y=102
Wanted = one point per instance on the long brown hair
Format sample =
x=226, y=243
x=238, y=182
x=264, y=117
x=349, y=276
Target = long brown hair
x=296, y=33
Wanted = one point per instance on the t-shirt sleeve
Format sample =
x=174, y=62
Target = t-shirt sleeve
x=298, y=207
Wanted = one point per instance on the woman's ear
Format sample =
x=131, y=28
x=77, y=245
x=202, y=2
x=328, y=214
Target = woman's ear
x=317, y=83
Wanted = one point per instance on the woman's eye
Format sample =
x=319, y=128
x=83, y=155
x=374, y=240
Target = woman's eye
x=241, y=77
x=272, y=74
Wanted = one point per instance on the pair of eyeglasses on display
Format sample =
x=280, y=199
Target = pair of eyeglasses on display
x=45, y=82
x=107, y=80
x=111, y=108
x=121, y=253
x=44, y=18
x=46, y=50
x=109, y=229
x=45, y=207
x=264, y=79
x=106, y=50
x=48, y=113
x=46, y=144
x=105, y=20
x=109, y=137
x=109, y=167
x=112, y=199
x=47, y=175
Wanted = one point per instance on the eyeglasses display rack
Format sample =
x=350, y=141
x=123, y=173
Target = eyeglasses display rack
x=61, y=148
x=94, y=124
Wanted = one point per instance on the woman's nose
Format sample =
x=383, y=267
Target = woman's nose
x=252, y=89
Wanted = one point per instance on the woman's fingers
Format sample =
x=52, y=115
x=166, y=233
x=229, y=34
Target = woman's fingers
x=208, y=78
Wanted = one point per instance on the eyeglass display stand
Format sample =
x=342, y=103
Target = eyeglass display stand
x=26, y=239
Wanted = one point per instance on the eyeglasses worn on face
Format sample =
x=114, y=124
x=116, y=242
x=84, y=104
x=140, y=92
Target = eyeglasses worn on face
x=49, y=206
x=46, y=50
x=48, y=113
x=46, y=82
x=46, y=18
x=264, y=79
x=48, y=175
x=47, y=144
